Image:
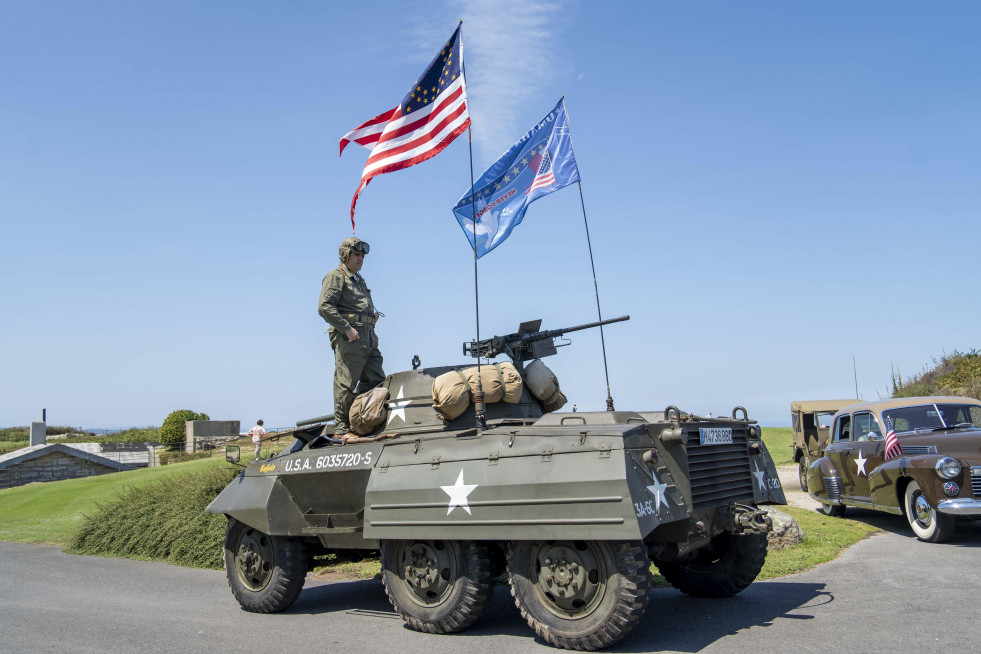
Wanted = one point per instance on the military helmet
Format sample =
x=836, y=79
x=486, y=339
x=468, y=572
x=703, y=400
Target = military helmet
x=352, y=244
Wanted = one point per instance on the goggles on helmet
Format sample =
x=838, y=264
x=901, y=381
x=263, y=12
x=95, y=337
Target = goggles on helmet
x=361, y=247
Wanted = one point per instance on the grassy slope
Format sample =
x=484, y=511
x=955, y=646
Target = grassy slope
x=50, y=512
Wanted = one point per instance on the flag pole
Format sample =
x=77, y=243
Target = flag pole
x=592, y=265
x=480, y=416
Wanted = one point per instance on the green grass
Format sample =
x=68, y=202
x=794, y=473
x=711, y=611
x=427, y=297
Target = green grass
x=780, y=443
x=51, y=512
x=825, y=538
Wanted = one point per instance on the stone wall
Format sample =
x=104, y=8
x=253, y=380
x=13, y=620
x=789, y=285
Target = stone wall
x=50, y=467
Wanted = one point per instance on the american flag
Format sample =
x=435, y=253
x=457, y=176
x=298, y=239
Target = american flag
x=431, y=115
x=892, y=445
x=544, y=177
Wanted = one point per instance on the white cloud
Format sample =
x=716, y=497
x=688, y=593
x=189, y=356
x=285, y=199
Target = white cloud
x=514, y=61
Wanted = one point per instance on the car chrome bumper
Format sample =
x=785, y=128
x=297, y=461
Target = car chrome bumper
x=960, y=506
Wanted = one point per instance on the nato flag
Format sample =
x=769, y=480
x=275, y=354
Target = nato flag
x=540, y=163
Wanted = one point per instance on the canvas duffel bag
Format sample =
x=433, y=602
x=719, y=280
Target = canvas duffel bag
x=368, y=411
x=500, y=381
x=544, y=385
x=451, y=394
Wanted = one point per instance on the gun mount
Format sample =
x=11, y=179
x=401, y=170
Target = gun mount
x=528, y=342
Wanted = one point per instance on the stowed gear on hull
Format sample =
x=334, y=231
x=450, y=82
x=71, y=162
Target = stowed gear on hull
x=571, y=503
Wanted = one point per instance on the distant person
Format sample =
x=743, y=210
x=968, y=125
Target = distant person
x=257, y=433
x=345, y=303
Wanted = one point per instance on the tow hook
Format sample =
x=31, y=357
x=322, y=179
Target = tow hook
x=750, y=518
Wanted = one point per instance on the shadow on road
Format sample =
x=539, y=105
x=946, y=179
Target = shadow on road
x=673, y=620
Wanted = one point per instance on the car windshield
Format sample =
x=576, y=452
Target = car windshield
x=932, y=416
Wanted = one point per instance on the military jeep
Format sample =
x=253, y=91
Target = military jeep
x=573, y=507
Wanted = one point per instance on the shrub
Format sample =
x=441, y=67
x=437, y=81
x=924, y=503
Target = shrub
x=173, y=429
x=162, y=521
x=954, y=374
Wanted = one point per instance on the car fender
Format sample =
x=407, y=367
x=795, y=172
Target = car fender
x=824, y=481
x=887, y=485
x=923, y=470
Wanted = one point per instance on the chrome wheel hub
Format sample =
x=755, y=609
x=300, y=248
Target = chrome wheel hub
x=922, y=510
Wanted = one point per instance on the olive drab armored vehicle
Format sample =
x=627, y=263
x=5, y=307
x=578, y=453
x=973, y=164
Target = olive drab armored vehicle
x=573, y=506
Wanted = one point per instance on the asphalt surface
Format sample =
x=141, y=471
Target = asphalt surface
x=887, y=593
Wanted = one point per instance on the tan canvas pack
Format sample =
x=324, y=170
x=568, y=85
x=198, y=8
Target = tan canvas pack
x=500, y=381
x=368, y=411
x=544, y=385
x=451, y=394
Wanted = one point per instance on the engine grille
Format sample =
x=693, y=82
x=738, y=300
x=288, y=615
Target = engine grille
x=976, y=481
x=920, y=449
x=831, y=484
x=719, y=474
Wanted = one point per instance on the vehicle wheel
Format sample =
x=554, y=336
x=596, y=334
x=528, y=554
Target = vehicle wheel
x=834, y=510
x=579, y=594
x=724, y=568
x=928, y=524
x=265, y=573
x=437, y=586
x=802, y=474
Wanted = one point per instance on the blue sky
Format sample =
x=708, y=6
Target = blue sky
x=772, y=189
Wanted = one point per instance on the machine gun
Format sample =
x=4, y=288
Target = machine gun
x=528, y=342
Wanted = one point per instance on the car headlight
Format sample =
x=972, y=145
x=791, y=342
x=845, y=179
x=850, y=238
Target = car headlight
x=948, y=468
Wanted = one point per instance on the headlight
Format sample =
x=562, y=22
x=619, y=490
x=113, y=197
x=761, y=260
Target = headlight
x=948, y=468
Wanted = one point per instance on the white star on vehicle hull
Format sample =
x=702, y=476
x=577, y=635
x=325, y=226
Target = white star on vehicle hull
x=760, y=476
x=398, y=407
x=657, y=490
x=458, y=493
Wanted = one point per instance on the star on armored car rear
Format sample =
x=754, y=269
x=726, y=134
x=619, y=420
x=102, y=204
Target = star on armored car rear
x=573, y=506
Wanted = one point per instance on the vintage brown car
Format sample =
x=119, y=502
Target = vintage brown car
x=933, y=479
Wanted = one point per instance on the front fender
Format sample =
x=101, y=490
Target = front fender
x=263, y=503
x=887, y=485
x=923, y=470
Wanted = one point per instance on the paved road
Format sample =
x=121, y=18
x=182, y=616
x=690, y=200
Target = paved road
x=888, y=593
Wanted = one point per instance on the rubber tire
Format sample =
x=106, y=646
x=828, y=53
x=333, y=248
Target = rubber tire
x=940, y=526
x=833, y=510
x=469, y=586
x=725, y=568
x=614, y=612
x=802, y=474
x=277, y=581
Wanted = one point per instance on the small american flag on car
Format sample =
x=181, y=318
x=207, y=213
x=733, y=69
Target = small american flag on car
x=892, y=445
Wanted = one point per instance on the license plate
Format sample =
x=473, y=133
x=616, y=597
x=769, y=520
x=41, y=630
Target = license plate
x=715, y=435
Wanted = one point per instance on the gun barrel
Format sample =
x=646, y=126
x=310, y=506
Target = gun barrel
x=588, y=325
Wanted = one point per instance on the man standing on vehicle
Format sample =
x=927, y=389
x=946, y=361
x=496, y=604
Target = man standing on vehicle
x=345, y=303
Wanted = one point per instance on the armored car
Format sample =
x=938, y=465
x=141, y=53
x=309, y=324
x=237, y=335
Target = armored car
x=572, y=506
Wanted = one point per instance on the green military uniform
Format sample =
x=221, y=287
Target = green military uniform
x=345, y=301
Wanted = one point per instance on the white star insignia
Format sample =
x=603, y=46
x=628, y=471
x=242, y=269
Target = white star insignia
x=398, y=407
x=860, y=462
x=657, y=490
x=458, y=494
x=760, y=476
